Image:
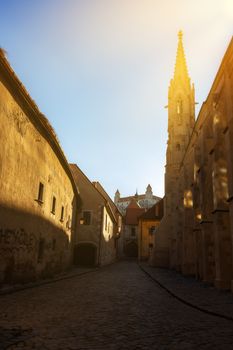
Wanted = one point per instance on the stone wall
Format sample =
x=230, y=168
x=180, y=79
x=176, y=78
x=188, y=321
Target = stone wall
x=199, y=219
x=35, y=229
x=99, y=231
x=146, y=238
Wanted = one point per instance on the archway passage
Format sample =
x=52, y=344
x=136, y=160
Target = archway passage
x=85, y=254
x=131, y=250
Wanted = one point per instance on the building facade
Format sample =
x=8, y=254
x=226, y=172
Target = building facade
x=131, y=229
x=197, y=229
x=148, y=224
x=38, y=197
x=98, y=228
x=144, y=200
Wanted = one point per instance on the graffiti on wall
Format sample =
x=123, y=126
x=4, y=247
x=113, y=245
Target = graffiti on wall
x=17, y=238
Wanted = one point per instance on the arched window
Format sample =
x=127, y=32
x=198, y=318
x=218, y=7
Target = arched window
x=179, y=107
x=178, y=147
x=179, y=110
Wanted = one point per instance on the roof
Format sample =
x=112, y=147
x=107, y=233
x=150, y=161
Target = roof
x=40, y=122
x=133, y=212
x=77, y=172
x=138, y=196
x=154, y=213
x=133, y=204
x=102, y=191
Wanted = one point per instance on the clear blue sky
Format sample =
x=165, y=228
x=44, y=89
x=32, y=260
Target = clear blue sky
x=100, y=69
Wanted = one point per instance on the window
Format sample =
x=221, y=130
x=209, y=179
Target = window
x=40, y=193
x=179, y=107
x=87, y=217
x=133, y=231
x=106, y=222
x=53, y=206
x=62, y=214
x=152, y=230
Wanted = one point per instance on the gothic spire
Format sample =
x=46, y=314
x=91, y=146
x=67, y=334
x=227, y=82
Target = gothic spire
x=181, y=71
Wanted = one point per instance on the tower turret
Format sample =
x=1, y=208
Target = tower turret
x=149, y=193
x=117, y=196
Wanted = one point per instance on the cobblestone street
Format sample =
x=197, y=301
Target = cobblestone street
x=117, y=307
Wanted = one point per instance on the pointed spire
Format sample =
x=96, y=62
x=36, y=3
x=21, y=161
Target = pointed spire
x=181, y=71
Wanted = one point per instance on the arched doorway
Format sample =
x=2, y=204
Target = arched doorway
x=131, y=249
x=85, y=254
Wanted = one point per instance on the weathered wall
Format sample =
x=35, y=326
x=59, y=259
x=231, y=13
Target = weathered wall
x=95, y=233
x=108, y=243
x=146, y=240
x=206, y=185
x=201, y=215
x=34, y=241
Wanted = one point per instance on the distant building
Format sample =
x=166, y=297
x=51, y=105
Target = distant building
x=130, y=232
x=98, y=224
x=147, y=226
x=144, y=200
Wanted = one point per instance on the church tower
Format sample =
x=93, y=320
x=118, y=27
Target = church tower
x=181, y=118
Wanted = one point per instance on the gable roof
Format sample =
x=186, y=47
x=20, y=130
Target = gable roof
x=133, y=204
x=77, y=173
x=133, y=212
x=102, y=191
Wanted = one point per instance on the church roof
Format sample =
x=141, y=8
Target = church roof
x=181, y=70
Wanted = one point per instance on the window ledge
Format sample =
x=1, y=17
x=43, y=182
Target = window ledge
x=39, y=201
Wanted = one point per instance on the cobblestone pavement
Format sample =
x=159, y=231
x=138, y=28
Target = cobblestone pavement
x=195, y=292
x=117, y=307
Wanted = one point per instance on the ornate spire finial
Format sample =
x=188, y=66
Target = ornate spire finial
x=180, y=34
x=181, y=71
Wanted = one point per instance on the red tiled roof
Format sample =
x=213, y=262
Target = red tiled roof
x=133, y=211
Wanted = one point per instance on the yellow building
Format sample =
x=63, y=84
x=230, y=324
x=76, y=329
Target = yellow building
x=148, y=225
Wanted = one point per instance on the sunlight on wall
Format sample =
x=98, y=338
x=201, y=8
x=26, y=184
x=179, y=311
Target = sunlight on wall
x=220, y=184
x=188, y=199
